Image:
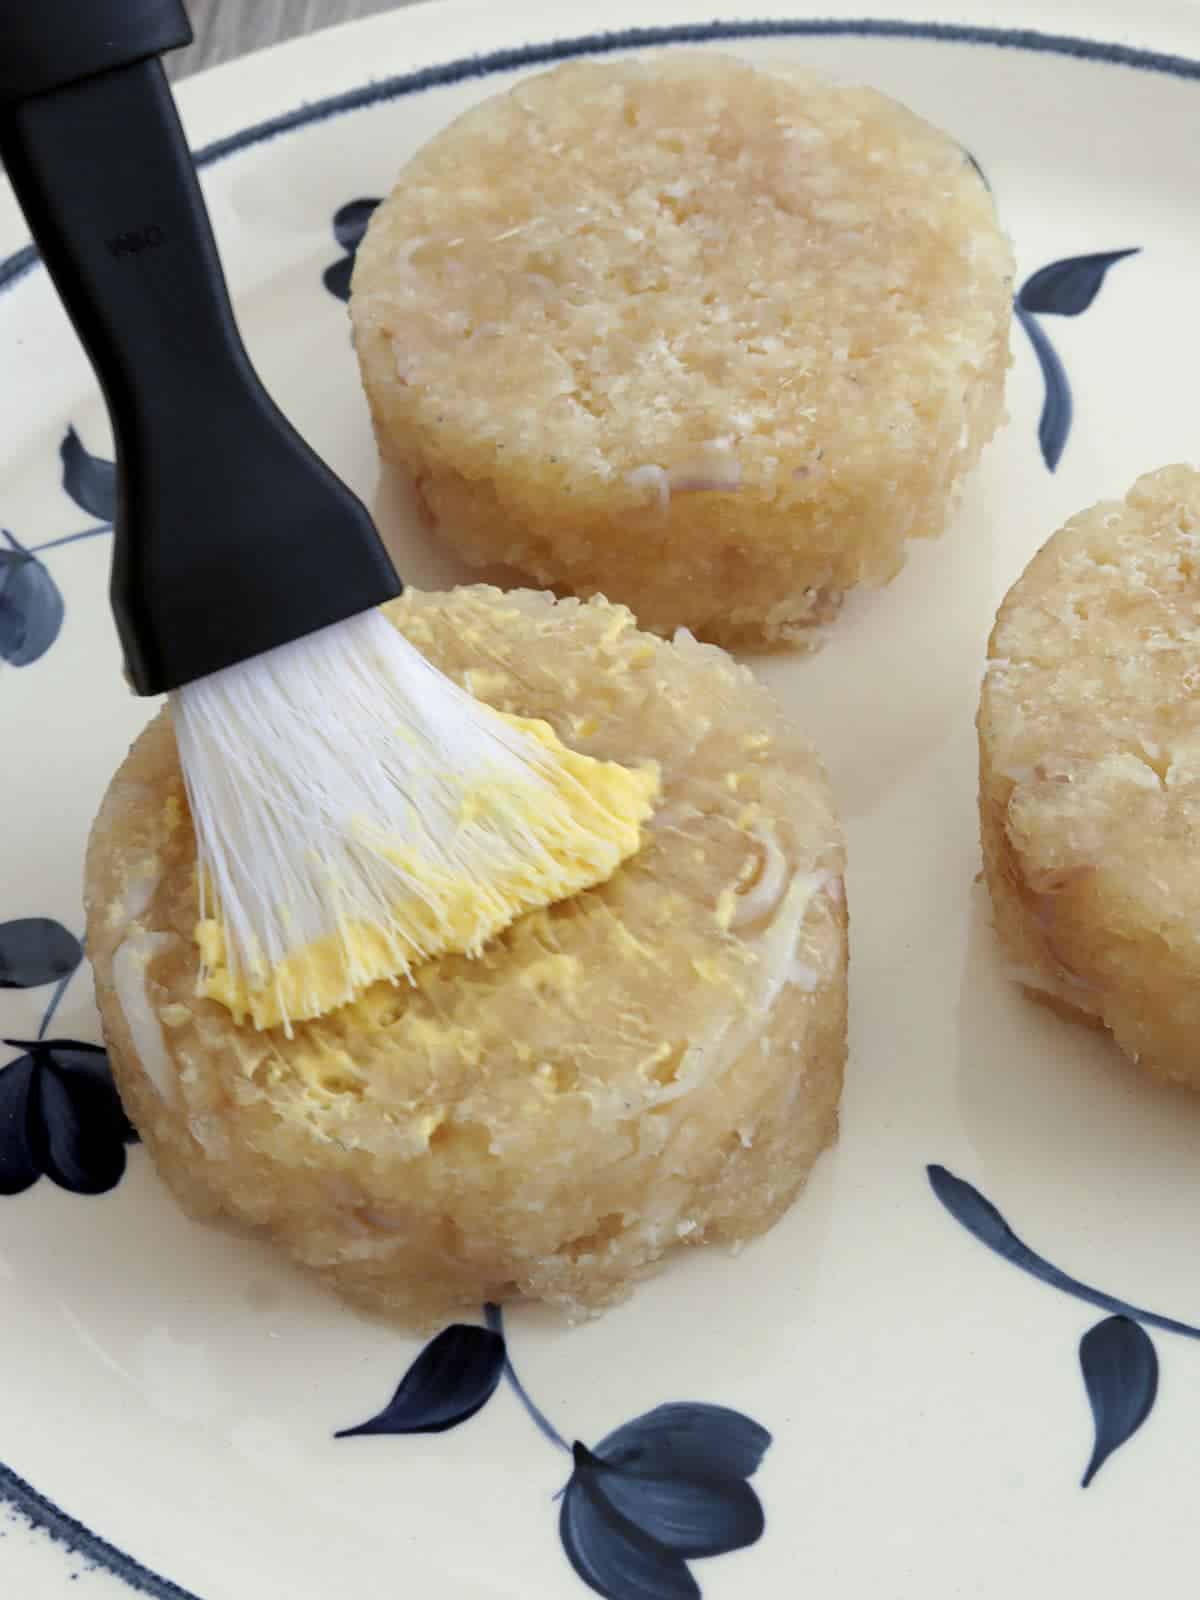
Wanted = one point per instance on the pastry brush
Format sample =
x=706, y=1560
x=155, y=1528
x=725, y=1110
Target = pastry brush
x=355, y=811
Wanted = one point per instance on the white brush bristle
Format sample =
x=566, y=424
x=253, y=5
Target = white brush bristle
x=341, y=783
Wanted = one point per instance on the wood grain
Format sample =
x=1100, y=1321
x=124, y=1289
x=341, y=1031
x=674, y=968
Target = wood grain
x=228, y=28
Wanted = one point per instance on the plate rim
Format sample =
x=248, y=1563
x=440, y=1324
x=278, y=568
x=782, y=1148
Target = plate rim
x=20, y=263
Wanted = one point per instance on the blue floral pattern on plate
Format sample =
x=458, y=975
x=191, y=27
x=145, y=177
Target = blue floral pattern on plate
x=31, y=606
x=60, y=1116
x=667, y=1488
x=1063, y=289
x=349, y=225
x=1117, y=1356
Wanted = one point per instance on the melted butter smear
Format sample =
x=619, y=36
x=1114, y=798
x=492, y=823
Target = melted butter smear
x=581, y=828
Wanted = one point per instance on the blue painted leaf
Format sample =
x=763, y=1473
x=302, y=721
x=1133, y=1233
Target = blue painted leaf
x=980, y=1217
x=80, y=1129
x=1120, y=1373
x=349, y=225
x=19, y=1167
x=36, y=950
x=350, y=222
x=613, y=1557
x=70, y=1125
x=454, y=1376
x=691, y=1516
x=89, y=480
x=494, y=1316
x=1066, y=288
x=690, y=1439
x=31, y=608
x=976, y=1214
x=337, y=275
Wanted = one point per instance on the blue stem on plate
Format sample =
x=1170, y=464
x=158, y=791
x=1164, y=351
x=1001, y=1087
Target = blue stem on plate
x=60, y=988
x=972, y=1211
x=494, y=1317
x=1057, y=406
x=70, y=538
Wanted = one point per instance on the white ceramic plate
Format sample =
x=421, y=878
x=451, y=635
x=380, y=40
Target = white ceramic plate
x=169, y=1395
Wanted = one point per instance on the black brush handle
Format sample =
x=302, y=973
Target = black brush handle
x=231, y=536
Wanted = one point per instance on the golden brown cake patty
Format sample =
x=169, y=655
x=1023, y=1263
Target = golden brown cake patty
x=1089, y=742
x=656, y=1061
x=712, y=340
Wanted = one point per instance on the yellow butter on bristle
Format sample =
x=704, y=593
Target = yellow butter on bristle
x=585, y=826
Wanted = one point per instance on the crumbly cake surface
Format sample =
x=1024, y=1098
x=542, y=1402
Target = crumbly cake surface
x=712, y=340
x=656, y=1061
x=1089, y=738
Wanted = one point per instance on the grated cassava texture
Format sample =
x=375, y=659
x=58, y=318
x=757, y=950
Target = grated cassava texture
x=655, y=1061
x=711, y=340
x=1089, y=744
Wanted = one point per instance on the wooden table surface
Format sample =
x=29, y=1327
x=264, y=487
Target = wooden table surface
x=228, y=28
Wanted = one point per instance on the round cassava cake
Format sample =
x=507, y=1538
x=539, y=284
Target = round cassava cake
x=712, y=340
x=656, y=1061
x=1089, y=741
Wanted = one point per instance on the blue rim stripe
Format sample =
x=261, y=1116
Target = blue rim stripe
x=18, y=265
x=64, y=1530
x=14, y=1491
